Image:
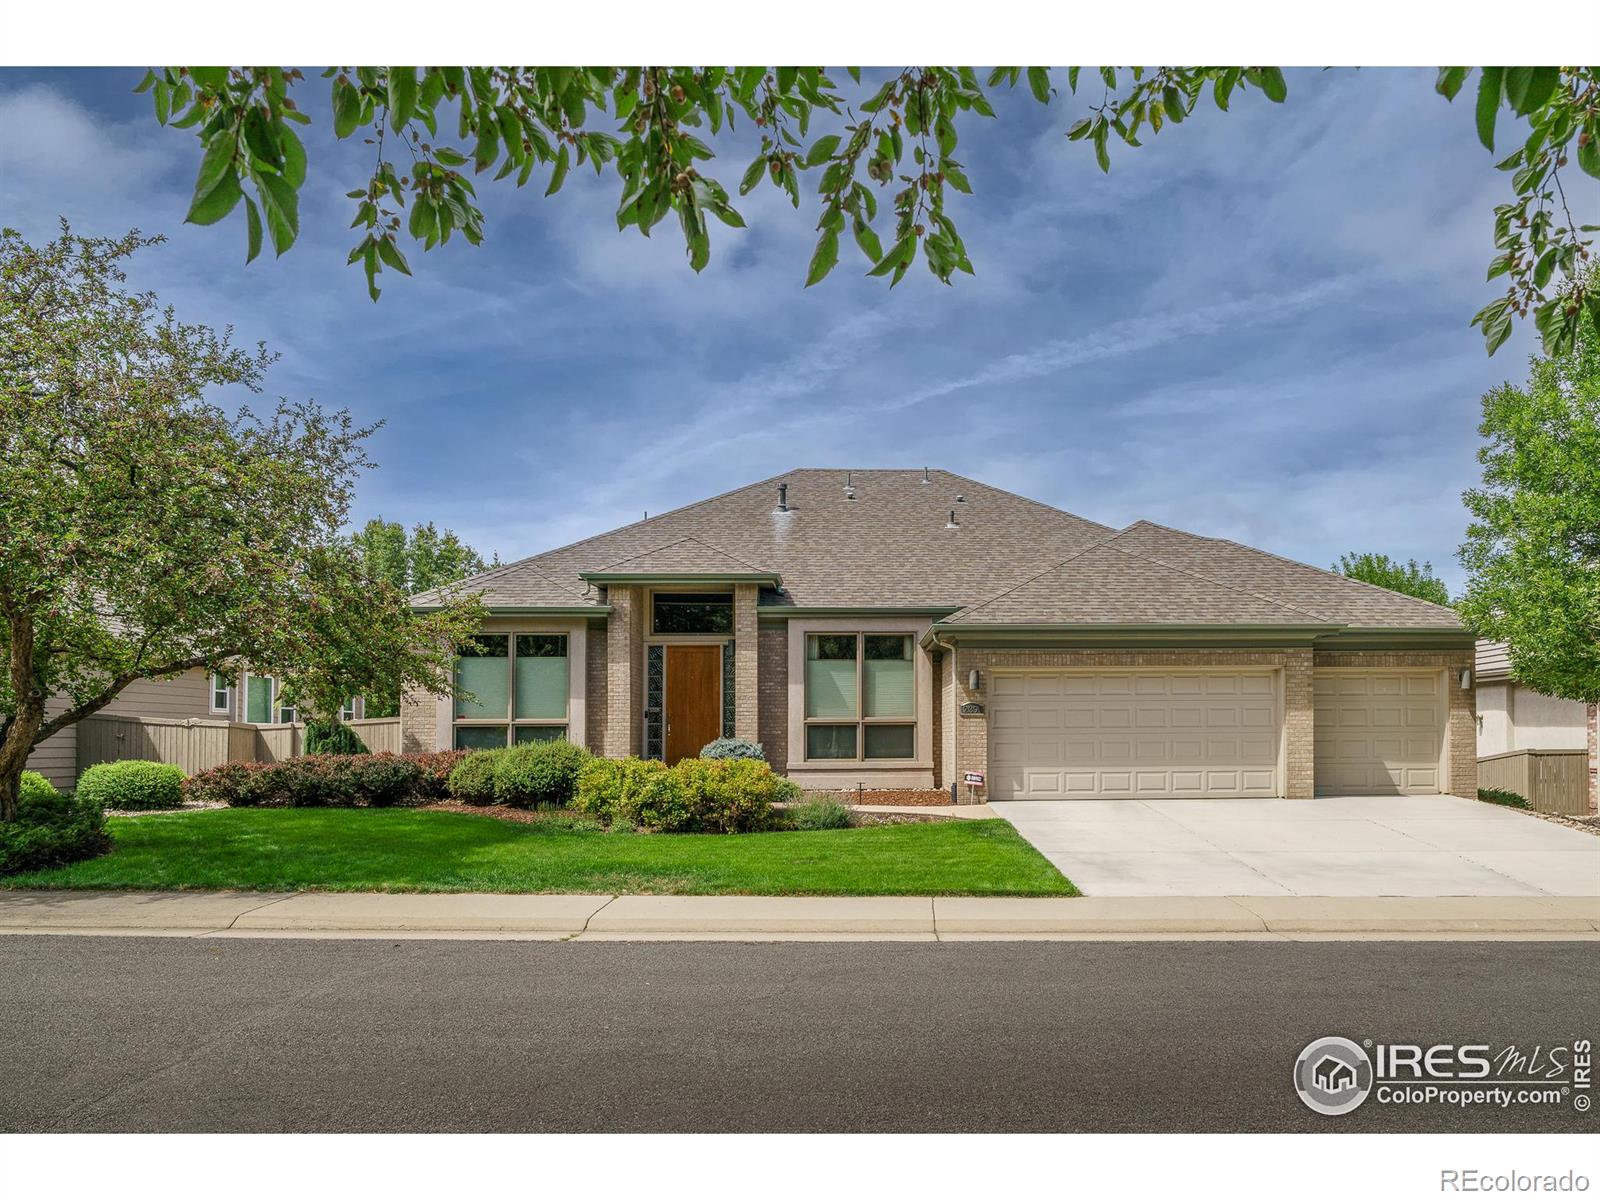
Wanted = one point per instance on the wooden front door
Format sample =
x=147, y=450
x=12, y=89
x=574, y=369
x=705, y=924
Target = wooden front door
x=694, y=699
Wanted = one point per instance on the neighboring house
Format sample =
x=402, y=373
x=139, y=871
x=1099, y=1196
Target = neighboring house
x=916, y=628
x=1512, y=716
x=194, y=695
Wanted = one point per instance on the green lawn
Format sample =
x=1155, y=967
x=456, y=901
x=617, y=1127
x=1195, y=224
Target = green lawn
x=395, y=850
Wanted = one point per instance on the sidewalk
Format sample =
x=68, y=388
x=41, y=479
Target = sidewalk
x=843, y=918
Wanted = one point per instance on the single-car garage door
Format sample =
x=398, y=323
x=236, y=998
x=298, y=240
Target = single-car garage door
x=1378, y=732
x=1070, y=735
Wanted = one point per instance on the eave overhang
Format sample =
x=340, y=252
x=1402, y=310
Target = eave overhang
x=760, y=577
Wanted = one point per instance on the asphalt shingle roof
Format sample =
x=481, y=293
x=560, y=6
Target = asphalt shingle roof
x=914, y=539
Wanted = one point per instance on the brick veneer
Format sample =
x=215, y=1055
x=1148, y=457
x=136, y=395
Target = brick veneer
x=595, y=682
x=746, y=665
x=624, y=687
x=1461, y=722
x=419, y=722
x=772, y=691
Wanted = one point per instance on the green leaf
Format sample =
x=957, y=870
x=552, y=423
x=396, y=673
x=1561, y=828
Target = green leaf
x=282, y=207
x=558, y=174
x=901, y=252
x=390, y=253
x=214, y=78
x=956, y=178
x=1080, y=129
x=822, y=150
x=218, y=202
x=866, y=239
x=1529, y=87
x=218, y=161
x=402, y=96
x=252, y=224
x=1589, y=153
x=262, y=139
x=1449, y=81
x=1489, y=88
x=346, y=108
x=1543, y=269
x=823, y=257
x=1039, y=84
x=1273, y=85
x=294, y=156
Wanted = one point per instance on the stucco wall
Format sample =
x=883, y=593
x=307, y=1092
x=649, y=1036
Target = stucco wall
x=1513, y=717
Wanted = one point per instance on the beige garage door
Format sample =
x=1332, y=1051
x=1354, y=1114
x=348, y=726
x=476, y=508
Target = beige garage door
x=1379, y=733
x=1065, y=736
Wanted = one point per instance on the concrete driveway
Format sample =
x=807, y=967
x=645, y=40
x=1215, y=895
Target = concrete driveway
x=1330, y=846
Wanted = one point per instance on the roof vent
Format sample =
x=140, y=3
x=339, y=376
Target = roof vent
x=783, y=497
x=925, y=478
x=961, y=499
x=849, y=485
x=951, y=523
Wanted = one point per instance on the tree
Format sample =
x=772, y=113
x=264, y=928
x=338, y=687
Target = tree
x=144, y=532
x=419, y=562
x=1533, y=546
x=650, y=125
x=1385, y=572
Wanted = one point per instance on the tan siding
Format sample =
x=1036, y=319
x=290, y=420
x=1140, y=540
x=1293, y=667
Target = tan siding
x=1493, y=660
x=176, y=699
x=56, y=758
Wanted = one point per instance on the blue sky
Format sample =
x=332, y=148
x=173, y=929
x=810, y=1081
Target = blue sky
x=1255, y=327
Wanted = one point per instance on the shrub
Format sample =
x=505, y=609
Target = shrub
x=609, y=789
x=471, y=781
x=132, y=784
x=1500, y=796
x=323, y=737
x=436, y=767
x=37, y=792
x=820, y=812
x=734, y=748
x=314, y=781
x=697, y=795
x=539, y=773
x=55, y=831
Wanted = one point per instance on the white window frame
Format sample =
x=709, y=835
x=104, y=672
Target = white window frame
x=347, y=711
x=226, y=692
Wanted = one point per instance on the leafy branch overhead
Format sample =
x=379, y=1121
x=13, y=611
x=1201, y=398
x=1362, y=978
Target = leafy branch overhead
x=889, y=143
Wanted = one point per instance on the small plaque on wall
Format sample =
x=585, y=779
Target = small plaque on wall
x=972, y=709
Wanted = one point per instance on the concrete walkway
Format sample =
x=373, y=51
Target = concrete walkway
x=1330, y=846
x=866, y=918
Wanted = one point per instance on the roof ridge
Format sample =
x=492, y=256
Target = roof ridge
x=1201, y=575
x=1295, y=562
x=688, y=537
x=1025, y=499
x=682, y=508
x=1243, y=591
x=982, y=604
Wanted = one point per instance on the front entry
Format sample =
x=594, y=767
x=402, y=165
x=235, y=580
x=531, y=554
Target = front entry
x=693, y=699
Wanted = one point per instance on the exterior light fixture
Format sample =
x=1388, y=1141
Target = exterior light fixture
x=974, y=680
x=1466, y=678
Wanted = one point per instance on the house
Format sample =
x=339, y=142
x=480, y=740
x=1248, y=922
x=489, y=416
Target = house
x=196, y=697
x=1513, y=717
x=918, y=629
x=1334, y=1075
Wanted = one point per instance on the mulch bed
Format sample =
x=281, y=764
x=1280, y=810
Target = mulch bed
x=907, y=797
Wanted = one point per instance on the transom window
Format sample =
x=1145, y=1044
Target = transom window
x=691, y=612
x=511, y=688
x=860, y=696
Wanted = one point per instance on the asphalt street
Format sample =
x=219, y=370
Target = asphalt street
x=151, y=1034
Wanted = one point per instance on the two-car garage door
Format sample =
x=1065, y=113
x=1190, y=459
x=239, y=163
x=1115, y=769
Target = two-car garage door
x=1068, y=735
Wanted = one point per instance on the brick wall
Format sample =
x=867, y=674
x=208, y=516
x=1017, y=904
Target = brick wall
x=624, y=684
x=1461, y=722
x=595, y=682
x=746, y=663
x=419, y=723
x=772, y=690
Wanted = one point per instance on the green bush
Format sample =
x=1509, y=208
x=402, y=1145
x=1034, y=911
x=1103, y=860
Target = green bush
x=132, y=784
x=39, y=793
x=436, y=766
x=1500, y=796
x=734, y=748
x=697, y=795
x=609, y=789
x=539, y=774
x=315, y=781
x=323, y=737
x=55, y=831
x=820, y=812
x=471, y=780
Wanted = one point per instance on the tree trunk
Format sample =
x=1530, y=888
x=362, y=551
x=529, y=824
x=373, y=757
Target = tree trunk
x=13, y=757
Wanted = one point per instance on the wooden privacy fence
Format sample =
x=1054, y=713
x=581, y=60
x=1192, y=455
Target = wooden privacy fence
x=197, y=744
x=1553, y=781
